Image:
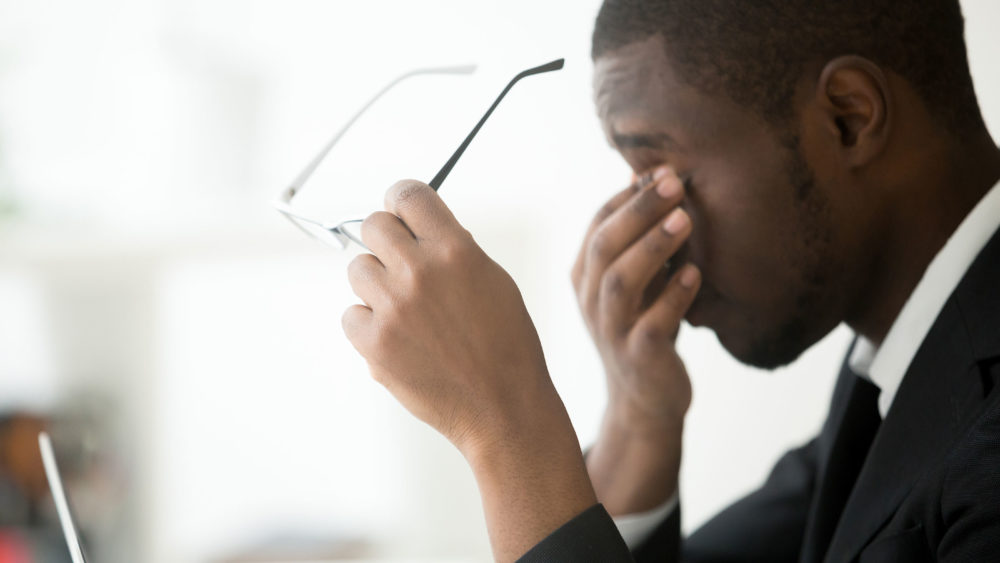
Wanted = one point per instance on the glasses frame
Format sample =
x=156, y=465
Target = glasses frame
x=338, y=231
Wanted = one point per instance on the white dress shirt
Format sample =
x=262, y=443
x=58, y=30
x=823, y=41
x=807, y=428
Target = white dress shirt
x=885, y=365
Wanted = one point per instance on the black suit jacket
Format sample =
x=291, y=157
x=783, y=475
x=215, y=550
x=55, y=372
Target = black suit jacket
x=929, y=488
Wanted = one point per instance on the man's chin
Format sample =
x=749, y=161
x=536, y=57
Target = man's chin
x=759, y=354
x=748, y=342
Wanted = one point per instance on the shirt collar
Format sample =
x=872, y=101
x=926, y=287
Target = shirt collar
x=886, y=365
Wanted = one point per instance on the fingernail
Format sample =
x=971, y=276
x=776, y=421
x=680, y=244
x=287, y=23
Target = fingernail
x=669, y=188
x=689, y=276
x=676, y=222
x=667, y=183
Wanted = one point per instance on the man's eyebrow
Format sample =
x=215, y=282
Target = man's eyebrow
x=656, y=142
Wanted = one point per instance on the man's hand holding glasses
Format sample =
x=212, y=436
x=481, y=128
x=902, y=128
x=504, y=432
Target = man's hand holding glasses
x=444, y=328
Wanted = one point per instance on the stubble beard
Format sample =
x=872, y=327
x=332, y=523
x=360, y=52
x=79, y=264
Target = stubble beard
x=812, y=240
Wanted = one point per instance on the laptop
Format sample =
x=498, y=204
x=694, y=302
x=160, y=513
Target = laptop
x=59, y=497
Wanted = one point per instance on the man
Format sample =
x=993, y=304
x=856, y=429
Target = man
x=800, y=164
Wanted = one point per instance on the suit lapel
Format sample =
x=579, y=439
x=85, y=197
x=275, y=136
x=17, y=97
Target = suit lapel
x=936, y=401
x=914, y=433
x=842, y=446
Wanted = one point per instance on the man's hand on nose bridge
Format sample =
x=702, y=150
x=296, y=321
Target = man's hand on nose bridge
x=634, y=323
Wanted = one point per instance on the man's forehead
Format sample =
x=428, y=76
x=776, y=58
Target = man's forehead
x=628, y=76
x=637, y=91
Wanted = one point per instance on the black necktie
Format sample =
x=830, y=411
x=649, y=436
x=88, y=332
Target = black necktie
x=847, y=456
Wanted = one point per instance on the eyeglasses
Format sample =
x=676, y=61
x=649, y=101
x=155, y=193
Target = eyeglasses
x=341, y=234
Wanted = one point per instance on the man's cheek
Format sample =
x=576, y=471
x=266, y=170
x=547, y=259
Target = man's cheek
x=733, y=260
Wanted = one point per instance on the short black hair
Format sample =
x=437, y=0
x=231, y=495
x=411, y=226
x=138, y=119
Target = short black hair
x=756, y=51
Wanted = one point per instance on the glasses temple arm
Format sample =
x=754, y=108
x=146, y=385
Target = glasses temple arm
x=446, y=169
x=308, y=171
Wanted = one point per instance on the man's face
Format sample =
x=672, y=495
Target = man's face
x=765, y=230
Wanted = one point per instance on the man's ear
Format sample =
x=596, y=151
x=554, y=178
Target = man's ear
x=853, y=98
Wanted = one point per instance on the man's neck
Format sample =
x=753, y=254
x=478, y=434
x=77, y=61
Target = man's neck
x=927, y=218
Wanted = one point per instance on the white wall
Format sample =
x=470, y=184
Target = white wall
x=143, y=141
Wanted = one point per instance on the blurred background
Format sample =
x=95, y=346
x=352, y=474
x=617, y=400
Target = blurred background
x=182, y=341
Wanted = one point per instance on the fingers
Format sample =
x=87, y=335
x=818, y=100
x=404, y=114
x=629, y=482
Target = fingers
x=366, y=274
x=620, y=230
x=637, y=184
x=386, y=235
x=623, y=284
x=357, y=323
x=421, y=209
x=630, y=221
x=657, y=284
x=606, y=210
x=661, y=321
